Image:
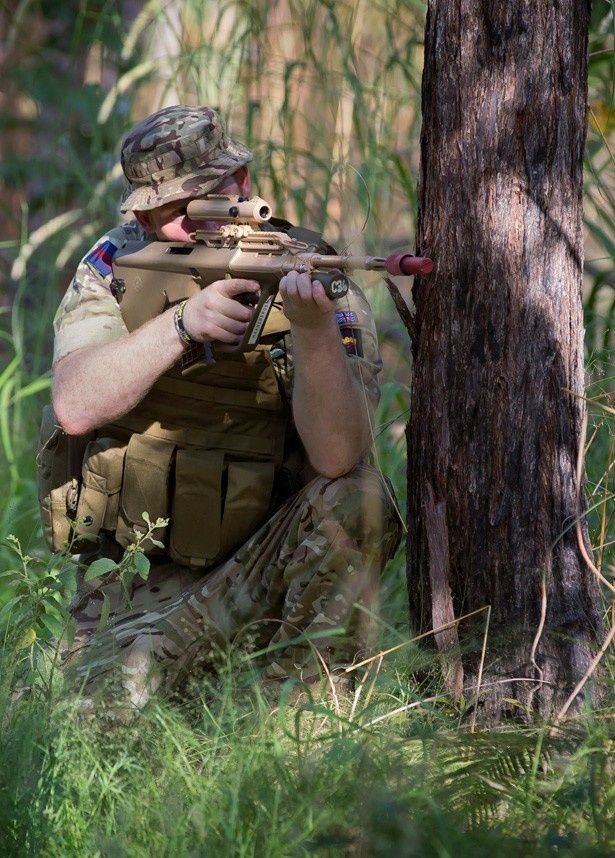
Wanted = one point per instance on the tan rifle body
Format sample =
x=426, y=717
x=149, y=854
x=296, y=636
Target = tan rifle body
x=168, y=272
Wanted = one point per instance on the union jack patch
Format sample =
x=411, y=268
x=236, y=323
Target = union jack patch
x=101, y=258
x=345, y=317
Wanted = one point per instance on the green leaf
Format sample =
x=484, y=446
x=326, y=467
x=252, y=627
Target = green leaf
x=8, y=607
x=100, y=567
x=104, y=613
x=86, y=537
x=68, y=579
x=145, y=517
x=53, y=624
x=27, y=639
x=142, y=564
x=71, y=629
x=156, y=542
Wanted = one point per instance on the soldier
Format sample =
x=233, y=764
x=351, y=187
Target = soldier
x=278, y=524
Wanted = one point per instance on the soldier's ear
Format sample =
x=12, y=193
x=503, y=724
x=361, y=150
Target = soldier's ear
x=242, y=177
x=145, y=220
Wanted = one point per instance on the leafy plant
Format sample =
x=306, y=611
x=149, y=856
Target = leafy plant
x=38, y=592
x=133, y=563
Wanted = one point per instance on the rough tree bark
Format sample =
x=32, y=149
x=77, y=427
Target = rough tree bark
x=494, y=433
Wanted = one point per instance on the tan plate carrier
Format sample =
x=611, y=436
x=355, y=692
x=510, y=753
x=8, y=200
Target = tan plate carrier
x=200, y=451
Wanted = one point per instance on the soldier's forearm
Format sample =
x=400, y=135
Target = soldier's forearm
x=95, y=385
x=329, y=408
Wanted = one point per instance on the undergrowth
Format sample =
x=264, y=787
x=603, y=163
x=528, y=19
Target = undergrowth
x=225, y=774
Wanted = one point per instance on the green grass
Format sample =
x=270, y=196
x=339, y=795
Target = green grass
x=224, y=775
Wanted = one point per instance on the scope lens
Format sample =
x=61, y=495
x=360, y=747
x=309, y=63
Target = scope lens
x=264, y=211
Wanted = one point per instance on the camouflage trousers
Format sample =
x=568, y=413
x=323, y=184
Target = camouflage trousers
x=291, y=588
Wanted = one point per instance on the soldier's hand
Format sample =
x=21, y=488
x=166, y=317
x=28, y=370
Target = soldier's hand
x=304, y=300
x=213, y=314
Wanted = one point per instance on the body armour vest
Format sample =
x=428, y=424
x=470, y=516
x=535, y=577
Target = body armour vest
x=213, y=452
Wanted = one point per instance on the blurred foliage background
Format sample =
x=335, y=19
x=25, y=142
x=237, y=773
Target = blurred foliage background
x=327, y=94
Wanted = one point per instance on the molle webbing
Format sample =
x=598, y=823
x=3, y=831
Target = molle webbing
x=266, y=400
x=200, y=451
x=248, y=423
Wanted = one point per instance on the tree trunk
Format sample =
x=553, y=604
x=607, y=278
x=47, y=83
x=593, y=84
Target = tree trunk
x=498, y=357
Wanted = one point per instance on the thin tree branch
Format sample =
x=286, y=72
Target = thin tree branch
x=402, y=308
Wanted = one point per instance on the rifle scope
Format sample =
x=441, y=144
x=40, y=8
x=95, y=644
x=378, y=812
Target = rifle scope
x=229, y=209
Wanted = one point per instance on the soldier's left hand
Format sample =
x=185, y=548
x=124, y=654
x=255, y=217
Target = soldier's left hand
x=304, y=300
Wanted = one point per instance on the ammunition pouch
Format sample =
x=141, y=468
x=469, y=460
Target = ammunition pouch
x=214, y=504
x=207, y=464
x=101, y=482
x=58, y=466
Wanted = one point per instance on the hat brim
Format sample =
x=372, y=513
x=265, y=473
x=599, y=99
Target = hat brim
x=202, y=180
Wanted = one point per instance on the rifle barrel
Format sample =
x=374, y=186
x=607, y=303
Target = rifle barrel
x=399, y=263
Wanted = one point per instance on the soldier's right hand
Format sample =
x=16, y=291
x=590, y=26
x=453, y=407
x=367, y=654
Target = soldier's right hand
x=214, y=314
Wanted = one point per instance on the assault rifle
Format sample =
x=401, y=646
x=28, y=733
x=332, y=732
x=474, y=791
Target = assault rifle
x=230, y=241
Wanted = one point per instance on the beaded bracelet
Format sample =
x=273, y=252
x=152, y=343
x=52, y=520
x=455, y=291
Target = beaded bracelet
x=178, y=318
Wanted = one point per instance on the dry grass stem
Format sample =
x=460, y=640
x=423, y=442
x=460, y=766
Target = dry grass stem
x=604, y=519
x=404, y=708
x=372, y=684
x=435, y=631
x=480, y=667
x=538, y=635
x=374, y=446
x=580, y=514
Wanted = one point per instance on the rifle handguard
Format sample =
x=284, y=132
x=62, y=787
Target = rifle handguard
x=334, y=281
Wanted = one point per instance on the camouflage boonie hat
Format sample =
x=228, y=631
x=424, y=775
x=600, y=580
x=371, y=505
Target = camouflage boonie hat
x=179, y=152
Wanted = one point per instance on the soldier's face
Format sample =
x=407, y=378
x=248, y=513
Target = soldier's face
x=171, y=222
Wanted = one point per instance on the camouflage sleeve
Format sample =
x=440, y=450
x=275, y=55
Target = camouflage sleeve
x=89, y=314
x=358, y=333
